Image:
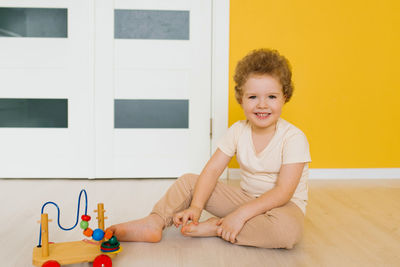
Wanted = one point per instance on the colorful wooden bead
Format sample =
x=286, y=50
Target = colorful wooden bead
x=113, y=240
x=88, y=232
x=51, y=263
x=98, y=234
x=86, y=218
x=108, y=234
x=84, y=225
x=102, y=261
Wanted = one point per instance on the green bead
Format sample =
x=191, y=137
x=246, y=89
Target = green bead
x=113, y=240
x=84, y=225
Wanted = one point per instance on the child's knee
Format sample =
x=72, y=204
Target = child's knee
x=290, y=240
x=270, y=231
x=286, y=240
x=289, y=227
x=189, y=179
x=292, y=231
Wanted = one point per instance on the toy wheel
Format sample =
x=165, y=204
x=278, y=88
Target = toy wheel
x=51, y=264
x=102, y=261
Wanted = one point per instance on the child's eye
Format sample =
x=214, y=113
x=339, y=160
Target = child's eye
x=252, y=97
x=272, y=97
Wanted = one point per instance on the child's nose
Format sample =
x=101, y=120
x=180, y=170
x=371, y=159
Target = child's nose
x=263, y=103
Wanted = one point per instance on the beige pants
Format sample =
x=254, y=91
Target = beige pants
x=281, y=227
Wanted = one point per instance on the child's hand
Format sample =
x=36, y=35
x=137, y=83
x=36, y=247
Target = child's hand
x=192, y=213
x=230, y=226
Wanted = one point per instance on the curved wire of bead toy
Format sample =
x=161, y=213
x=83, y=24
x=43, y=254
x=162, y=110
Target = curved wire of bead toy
x=58, y=214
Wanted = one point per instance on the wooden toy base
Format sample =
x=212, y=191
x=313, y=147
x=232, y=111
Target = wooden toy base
x=69, y=253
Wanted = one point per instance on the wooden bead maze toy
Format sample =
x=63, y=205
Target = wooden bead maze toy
x=48, y=254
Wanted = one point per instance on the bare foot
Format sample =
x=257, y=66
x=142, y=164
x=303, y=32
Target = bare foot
x=206, y=228
x=148, y=229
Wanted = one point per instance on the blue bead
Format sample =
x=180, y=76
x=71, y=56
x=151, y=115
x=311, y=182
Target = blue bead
x=98, y=234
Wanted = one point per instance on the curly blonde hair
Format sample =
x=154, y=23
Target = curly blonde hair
x=264, y=62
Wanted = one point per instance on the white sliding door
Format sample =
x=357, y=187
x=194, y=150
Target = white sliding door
x=46, y=93
x=153, y=87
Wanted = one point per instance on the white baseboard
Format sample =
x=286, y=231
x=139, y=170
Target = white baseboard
x=366, y=173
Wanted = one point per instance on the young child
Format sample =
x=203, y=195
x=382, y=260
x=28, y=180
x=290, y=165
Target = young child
x=268, y=209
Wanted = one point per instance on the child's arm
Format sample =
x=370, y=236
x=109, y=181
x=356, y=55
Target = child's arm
x=204, y=187
x=288, y=179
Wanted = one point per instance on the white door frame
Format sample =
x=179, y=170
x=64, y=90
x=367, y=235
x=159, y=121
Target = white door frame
x=220, y=71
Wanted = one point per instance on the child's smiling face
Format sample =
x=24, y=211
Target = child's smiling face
x=262, y=101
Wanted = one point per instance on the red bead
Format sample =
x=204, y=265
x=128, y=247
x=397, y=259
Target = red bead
x=51, y=263
x=102, y=260
x=86, y=218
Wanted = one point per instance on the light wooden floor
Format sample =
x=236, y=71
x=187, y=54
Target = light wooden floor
x=348, y=223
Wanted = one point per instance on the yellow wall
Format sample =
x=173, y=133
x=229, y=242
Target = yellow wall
x=346, y=66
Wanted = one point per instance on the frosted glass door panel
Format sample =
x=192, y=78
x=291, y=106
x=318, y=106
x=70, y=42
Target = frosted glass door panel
x=33, y=113
x=33, y=22
x=151, y=113
x=151, y=24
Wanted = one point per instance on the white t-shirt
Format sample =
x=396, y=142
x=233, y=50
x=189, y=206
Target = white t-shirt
x=260, y=171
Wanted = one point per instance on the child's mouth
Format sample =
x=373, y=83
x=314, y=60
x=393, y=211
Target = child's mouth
x=262, y=115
